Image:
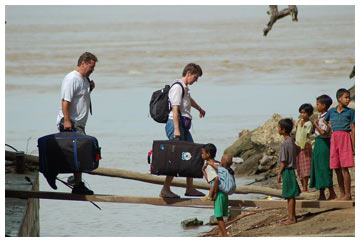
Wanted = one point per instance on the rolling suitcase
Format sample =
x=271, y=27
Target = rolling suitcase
x=176, y=158
x=67, y=152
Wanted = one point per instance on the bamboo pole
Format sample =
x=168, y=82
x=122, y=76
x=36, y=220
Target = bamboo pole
x=179, y=202
x=182, y=183
x=132, y=175
x=11, y=156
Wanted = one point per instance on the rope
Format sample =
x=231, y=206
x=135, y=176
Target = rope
x=11, y=147
x=70, y=186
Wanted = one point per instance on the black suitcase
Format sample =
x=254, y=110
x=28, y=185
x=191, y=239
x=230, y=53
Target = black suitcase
x=176, y=158
x=67, y=152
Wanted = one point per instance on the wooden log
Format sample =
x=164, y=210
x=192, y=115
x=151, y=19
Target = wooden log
x=132, y=175
x=182, y=183
x=180, y=202
x=178, y=182
x=11, y=156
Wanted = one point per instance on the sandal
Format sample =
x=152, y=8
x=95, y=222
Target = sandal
x=194, y=193
x=206, y=198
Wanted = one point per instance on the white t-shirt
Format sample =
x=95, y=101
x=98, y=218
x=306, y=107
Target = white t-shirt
x=75, y=89
x=323, y=126
x=175, y=97
x=210, y=173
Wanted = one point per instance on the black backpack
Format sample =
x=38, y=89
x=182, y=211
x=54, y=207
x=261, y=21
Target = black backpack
x=160, y=105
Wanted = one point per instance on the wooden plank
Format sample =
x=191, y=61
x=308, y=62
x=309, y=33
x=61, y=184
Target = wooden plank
x=159, y=180
x=11, y=156
x=108, y=198
x=132, y=175
x=180, y=202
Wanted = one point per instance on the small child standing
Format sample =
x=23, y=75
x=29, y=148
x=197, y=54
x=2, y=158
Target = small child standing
x=304, y=128
x=222, y=199
x=208, y=153
x=321, y=176
x=342, y=148
x=287, y=159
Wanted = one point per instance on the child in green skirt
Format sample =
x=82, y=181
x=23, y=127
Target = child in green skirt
x=321, y=176
x=287, y=159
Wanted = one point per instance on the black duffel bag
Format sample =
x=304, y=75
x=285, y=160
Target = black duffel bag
x=176, y=158
x=67, y=152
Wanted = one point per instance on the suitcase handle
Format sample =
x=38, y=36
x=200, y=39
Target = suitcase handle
x=148, y=157
x=68, y=130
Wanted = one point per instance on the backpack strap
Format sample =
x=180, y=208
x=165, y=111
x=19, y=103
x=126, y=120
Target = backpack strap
x=183, y=90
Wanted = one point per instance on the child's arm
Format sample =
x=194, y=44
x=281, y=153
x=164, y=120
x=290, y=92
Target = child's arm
x=282, y=166
x=203, y=170
x=301, y=122
x=321, y=131
x=328, y=124
x=352, y=126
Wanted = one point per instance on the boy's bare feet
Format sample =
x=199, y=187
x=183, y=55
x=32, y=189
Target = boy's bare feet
x=288, y=222
x=332, y=195
x=341, y=195
x=344, y=198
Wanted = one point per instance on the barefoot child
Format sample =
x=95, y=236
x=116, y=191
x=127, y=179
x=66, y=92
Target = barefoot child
x=223, y=183
x=321, y=176
x=208, y=153
x=342, y=148
x=287, y=160
x=304, y=128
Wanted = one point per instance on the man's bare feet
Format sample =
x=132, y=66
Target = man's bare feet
x=168, y=194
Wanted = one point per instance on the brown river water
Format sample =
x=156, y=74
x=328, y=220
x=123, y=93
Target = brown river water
x=247, y=77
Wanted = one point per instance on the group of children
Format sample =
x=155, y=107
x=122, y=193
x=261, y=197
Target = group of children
x=333, y=150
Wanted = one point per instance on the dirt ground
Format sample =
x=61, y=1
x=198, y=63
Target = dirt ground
x=258, y=222
x=311, y=222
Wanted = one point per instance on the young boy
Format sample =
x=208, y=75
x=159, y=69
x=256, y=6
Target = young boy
x=287, y=159
x=304, y=128
x=221, y=201
x=342, y=148
x=321, y=176
x=208, y=153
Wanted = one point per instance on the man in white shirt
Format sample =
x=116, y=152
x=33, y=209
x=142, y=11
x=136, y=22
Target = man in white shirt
x=76, y=104
x=179, y=122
